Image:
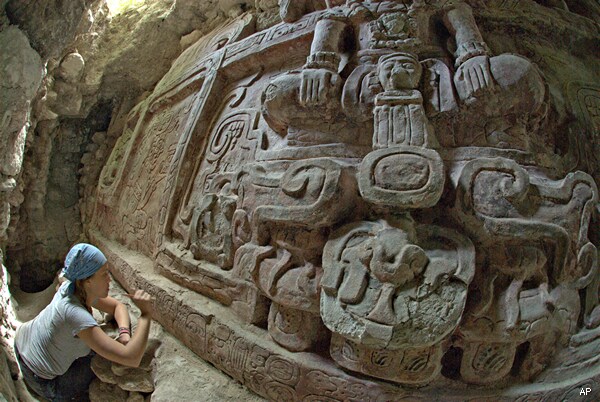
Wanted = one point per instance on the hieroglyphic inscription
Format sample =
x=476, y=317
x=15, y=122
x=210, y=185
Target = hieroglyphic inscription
x=157, y=147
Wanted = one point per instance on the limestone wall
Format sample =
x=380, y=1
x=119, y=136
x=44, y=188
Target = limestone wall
x=96, y=63
x=69, y=70
x=405, y=190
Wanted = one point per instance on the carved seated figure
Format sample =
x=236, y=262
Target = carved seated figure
x=304, y=106
x=505, y=92
x=399, y=116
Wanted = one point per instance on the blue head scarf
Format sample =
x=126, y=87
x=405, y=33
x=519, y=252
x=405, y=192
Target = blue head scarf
x=82, y=262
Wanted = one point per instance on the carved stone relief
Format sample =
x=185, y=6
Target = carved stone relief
x=370, y=183
x=384, y=290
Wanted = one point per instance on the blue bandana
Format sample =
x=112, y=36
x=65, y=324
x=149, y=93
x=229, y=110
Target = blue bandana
x=82, y=262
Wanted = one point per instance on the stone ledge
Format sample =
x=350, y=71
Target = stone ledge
x=247, y=354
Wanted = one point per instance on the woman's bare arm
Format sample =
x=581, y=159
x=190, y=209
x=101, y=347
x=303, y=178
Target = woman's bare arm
x=118, y=310
x=132, y=353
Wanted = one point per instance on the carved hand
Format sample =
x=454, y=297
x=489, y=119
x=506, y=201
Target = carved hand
x=318, y=86
x=473, y=77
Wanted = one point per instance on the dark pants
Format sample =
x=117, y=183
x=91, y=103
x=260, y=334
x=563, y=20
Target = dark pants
x=71, y=386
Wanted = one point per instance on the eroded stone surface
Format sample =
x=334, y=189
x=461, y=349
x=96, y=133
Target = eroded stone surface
x=180, y=373
x=7, y=387
x=245, y=353
x=166, y=366
x=385, y=185
x=125, y=52
x=135, y=397
x=405, y=190
x=168, y=370
x=22, y=73
x=62, y=20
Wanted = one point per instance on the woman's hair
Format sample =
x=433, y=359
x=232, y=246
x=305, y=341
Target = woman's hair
x=80, y=292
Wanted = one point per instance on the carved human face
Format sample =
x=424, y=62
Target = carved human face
x=399, y=73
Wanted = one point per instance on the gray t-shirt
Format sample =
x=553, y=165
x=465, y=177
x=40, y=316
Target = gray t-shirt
x=48, y=343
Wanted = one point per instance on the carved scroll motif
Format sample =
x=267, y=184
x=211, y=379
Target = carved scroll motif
x=487, y=362
x=228, y=132
x=589, y=99
x=111, y=171
x=214, y=196
x=210, y=228
x=211, y=218
x=415, y=366
x=490, y=198
x=297, y=330
x=284, y=255
x=540, y=257
x=312, y=188
x=200, y=61
x=371, y=266
x=313, y=193
x=585, y=98
x=149, y=151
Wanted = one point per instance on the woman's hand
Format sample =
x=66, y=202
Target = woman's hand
x=128, y=349
x=143, y=301
x=119, y=311
x=124, y=338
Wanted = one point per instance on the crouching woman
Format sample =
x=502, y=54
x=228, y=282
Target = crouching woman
x=53, y=349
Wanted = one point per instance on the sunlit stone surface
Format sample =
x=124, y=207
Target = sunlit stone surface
x=383, y=185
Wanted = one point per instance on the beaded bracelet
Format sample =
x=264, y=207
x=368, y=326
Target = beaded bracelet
x=124, y=330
